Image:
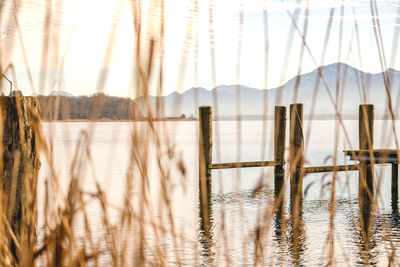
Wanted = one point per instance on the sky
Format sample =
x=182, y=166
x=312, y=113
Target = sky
x=90, y=46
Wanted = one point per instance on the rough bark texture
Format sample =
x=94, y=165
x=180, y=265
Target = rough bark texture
x=19, y=166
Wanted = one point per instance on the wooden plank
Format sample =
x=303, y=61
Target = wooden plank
x=337, y=168
x=250, y=164
x=376, y=156
x=379, y=150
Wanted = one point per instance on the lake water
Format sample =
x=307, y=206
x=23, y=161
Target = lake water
x=105, y=158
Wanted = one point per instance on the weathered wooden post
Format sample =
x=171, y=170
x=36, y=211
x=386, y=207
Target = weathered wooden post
x=279, y=148
x=366, y=171
x=395, y=182
x=205, y=159
x=205, y=144
x=279, y=169
x=296, y=160
x=366, y=141
x=296, y=157
x=19, y=165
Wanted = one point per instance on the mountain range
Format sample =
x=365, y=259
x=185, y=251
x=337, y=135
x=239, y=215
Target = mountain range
x=56, y=93
x=60, y=93
x=354, y=87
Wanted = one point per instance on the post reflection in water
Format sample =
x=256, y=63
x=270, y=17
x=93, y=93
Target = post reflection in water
x=289, y=235
x=279, y=209
x=296, y=230
x=366, y=222
x=206, y=225
x=366, y=240
x=395, y=207
x=394, y=218
x=279, y=219
x=394, y=222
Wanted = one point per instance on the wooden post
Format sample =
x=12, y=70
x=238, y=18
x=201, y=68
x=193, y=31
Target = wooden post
x=366, y=173
x=296, y=157
x=279, y=147
x=205, y=160
x=19, y=166
x=205, y=143
x=366, y=141
x=395, y=183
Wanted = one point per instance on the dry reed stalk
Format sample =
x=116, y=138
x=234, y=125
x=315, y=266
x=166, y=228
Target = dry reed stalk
x=61, y=245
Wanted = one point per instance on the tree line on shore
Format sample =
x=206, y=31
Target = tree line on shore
x=98, y=106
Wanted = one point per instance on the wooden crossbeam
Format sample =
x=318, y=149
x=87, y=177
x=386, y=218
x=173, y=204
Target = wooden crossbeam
x=337, y=168
x=377, y=156
x=232, y=165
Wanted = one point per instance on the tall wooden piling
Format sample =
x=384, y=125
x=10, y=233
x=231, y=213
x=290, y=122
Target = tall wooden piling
x=296, y=160
x=205, y=143
x=279, y=147
x=19, y=166
x=296, y=157
x=366, y=171
x=205, y=160
x=395, y=183
x=366, y=142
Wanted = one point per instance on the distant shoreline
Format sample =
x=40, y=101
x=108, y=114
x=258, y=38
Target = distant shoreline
x=183, y=120
x=118, y=120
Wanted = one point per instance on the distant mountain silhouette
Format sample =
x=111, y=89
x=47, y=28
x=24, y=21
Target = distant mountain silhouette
x=60, y=93
x=355, y=87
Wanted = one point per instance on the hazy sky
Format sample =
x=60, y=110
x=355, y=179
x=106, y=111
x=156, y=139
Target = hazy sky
x=70, y=47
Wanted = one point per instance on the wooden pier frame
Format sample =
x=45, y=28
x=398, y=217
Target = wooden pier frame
x=206, y=165
x=366, y=155
x=205, y=146
x=205, y=149
x=379, y=156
